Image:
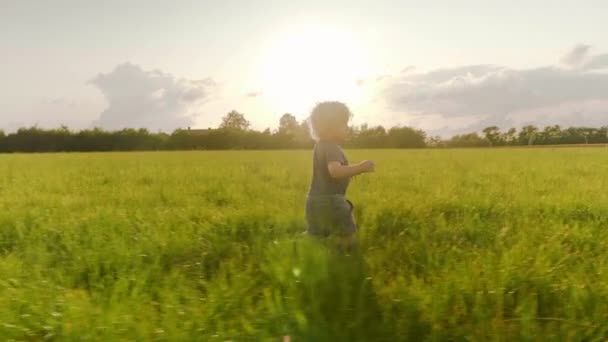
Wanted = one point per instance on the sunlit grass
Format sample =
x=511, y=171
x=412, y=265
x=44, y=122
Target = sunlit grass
x=455, y=244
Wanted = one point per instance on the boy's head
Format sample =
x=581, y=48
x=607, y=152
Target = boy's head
x=329, y=121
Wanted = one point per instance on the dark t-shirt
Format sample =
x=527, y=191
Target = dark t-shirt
x=322, y=183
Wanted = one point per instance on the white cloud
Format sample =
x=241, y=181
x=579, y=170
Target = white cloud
x=597, y=62
x=574, y=93
x=151, y=99
x=576, y=57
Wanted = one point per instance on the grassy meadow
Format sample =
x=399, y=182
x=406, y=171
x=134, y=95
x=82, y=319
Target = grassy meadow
x=491, y=244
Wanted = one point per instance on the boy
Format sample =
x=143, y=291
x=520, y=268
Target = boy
x=328, y=212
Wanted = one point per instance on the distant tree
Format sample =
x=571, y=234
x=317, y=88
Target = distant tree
x=584, y=135
x=587, y=133
x=288, y=125
x=576, y=135
x=406, y=137
x=3, y=147
x=302, y=135
x=527, y=135
x=353, y=132
x=467, y=140
x=493, y=135
x=601, y=136
x=550, y=135
x=510, y=136
x=286, y=134
x=95, y=139
x=235, y=120
x=435, y=141
x=374, y=137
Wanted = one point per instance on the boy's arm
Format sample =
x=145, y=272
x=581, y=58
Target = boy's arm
x=337, y=170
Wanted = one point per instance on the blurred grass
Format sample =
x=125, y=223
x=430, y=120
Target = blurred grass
x=454, y=245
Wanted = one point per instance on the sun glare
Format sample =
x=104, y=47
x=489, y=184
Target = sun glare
x=312, y=64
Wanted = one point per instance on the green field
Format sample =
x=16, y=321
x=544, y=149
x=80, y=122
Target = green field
x=508, y=244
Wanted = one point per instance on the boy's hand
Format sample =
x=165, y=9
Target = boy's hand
x=367, y=166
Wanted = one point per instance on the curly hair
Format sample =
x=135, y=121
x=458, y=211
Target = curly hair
x=326, y=116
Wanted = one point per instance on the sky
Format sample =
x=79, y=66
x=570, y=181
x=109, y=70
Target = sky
x=444, y=66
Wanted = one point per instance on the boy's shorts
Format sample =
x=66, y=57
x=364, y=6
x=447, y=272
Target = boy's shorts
x=329, y=215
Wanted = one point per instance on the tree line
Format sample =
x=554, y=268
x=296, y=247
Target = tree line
x=527, y=136
x=234, y=133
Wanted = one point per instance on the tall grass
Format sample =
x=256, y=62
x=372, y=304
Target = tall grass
x=454, y=245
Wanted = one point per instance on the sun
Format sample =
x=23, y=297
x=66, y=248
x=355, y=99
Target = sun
x=312, y=64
